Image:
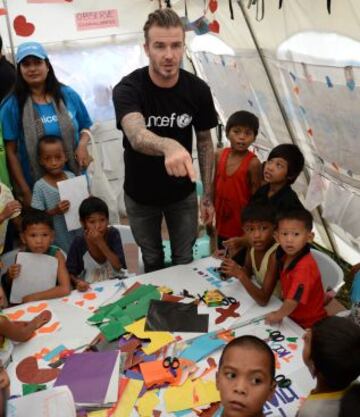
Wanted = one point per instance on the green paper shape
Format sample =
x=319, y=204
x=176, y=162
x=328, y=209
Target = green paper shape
x=292, y=339
x=31, y=388
x=115, y=328
x=113, y=308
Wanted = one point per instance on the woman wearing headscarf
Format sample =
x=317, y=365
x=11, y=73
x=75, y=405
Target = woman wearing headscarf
x=40, y=105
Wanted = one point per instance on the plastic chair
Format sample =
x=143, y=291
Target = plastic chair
x=201, y=249
x=128, y=238
x=332, y=276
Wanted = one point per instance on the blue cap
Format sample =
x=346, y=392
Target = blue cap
x=30, y=49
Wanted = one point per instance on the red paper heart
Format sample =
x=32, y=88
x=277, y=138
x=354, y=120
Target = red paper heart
x=28, y=372
x=22, y=27
x=214, y=26
x=79, y=303
x=213, y=6
x=16, y=315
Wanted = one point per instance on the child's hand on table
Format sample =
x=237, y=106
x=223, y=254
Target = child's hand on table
x=275, y=317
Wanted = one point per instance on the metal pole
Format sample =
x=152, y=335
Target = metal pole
x=284, y=116
x=8, y=24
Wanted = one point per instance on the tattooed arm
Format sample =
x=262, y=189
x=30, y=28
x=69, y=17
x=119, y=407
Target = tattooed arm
x=178, y=161
x=205, y=150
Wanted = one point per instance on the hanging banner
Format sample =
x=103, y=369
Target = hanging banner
x=99, y=19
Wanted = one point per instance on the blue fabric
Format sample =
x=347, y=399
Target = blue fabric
x=355, y=289
x=49, y=119
x=11, y=121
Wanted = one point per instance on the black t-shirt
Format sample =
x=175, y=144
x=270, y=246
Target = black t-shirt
x=7, y=77
x=168, y=112
x=283, y=201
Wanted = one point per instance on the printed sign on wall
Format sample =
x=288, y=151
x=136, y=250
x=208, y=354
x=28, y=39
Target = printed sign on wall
x=99, y=19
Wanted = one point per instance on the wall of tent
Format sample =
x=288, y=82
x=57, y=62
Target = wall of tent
x=296, y=66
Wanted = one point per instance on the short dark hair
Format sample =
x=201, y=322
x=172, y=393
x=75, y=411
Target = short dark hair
x=164, y=18
x=33, y=216
x=350, y=402
x=335, y=351
x=92, y=205
x=302, y=215
x=254, y=342
x=48, y=139
x=293, y=156
x=256, y=212
x=243, y=118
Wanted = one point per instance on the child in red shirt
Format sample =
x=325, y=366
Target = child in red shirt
x=300, y=278
x=237, y=176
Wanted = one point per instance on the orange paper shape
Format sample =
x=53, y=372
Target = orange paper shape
x=16, y=315
x=89, y=296
x=49, y=329
x=154, y=373
x=37, y=309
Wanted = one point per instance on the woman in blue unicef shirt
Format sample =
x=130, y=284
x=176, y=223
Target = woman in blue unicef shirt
x=40, y=105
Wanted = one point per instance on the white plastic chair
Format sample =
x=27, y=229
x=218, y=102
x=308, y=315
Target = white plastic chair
x=332, y=276
x=128, y=238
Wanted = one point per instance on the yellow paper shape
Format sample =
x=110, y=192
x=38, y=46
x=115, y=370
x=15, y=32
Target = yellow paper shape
x=125, y=405
x=190, y=395
x=147, y=403
x=205, y=392
x=157, y=339
x=179, y=398
x=99, y=413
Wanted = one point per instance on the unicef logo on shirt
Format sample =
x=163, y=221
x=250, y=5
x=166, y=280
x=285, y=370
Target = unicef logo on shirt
x=183, y=120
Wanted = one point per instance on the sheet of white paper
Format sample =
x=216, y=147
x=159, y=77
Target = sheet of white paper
x=112, y=391
x=38, y=273
x=75, y=190
x=53, y=402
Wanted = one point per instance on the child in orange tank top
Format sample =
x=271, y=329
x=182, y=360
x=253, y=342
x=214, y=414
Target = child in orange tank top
x=238, y=175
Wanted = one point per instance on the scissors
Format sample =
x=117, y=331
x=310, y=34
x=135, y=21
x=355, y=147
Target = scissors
x=282, y=381
x=276, y=336
x=171, y=362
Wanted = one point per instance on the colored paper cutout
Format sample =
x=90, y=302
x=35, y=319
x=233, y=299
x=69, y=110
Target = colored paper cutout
x=328, y=82
x=29, y=311
x=147, y=403
x=31, y=388
x=22, y=27
x=157, y=339
x=225, y=313
x=37, y=308
x=202, y=346
x=28, y=372
x=191, y=394
x=127, y=402
x=154, y=373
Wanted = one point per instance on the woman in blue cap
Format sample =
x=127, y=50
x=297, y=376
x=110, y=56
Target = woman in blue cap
x=40, y=105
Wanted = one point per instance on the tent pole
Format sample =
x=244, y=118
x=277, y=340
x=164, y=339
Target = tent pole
x=283, y=114
x=8, y=25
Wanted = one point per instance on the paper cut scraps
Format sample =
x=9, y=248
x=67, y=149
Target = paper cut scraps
x=191, y=394
x=29, y=372
x=175, y=317
x=38, y=273
x=28, y=311
x=114, y=317
x=127, y=401
x=53, y=402
x=92, y=377
x=157, y=339
x=202, y=346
